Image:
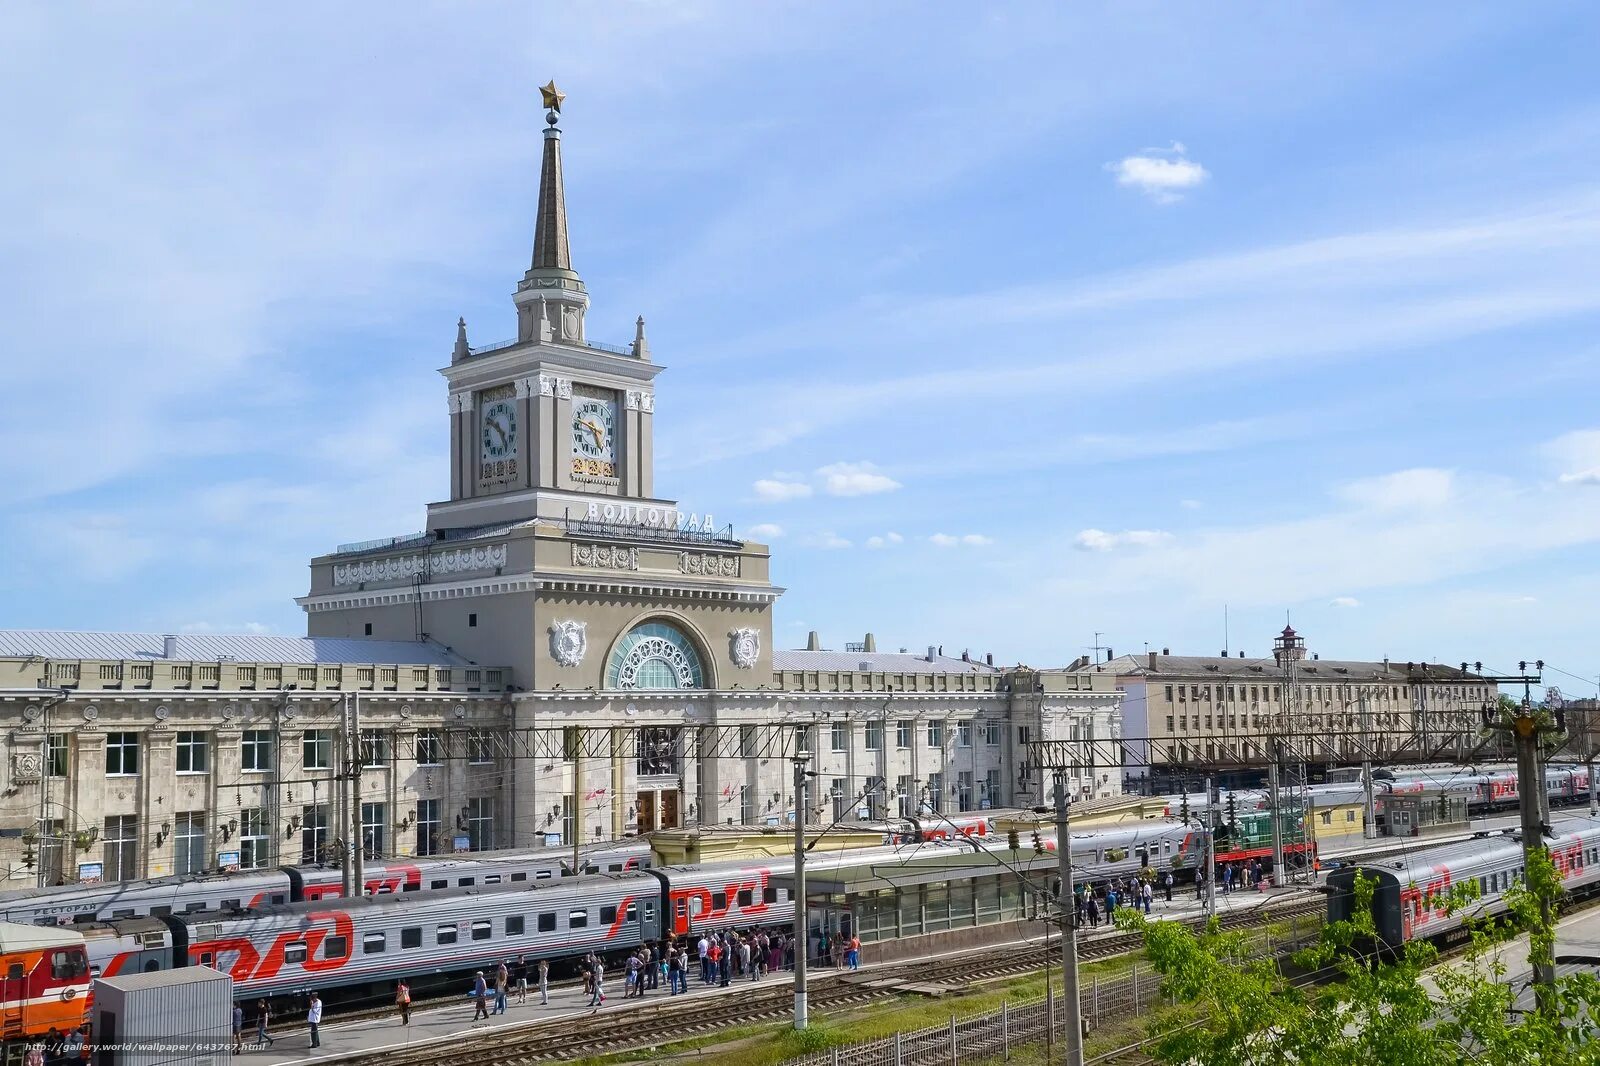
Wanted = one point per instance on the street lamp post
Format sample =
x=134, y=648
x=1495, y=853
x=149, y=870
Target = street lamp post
x=801, y=936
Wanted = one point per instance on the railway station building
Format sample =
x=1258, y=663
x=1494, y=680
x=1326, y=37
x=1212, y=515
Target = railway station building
x=557, y=592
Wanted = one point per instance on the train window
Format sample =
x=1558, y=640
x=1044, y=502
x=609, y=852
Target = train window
x=492, y=879
x=608, y=915
x=294, y=953
x=372, y=944
x=466, y=881
x=411, y=938
x=547, y=922
x=615, y=868
x=335, y=947
x=121, y=914
x=411, y=886
x=157, y=912
x=194, y=908
x=632, y=913
x=446, y=934
x=68, y=964
x=206, y=959
x=577, y=919
x=14, y=972
x=439, y=884
x=746, y=897
x=649, y=911
x=541, y=875
x=719, y=901
x=482, y=930
x=279, y=898
x=520, y=875
x=514, y=925
x=230, y=904
x=769, y=895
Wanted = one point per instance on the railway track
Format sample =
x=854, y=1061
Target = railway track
x=668, y=1020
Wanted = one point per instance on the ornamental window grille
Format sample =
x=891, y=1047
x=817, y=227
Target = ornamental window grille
x=655, y=655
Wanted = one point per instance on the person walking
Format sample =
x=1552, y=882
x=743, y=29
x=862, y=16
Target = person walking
x=402, y=1000
x=263, y=1019
x=597, y=998
x=238, y=1028
x=853, y=955
x=544, y=982
x=502, y=984
x=480, y=997
x=314, y=1019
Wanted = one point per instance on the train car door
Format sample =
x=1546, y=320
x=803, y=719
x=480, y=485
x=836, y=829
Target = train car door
x=13, y=994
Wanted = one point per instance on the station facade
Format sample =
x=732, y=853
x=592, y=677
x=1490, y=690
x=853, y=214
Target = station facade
x=554, y=590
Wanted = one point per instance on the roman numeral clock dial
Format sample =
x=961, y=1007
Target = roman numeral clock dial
x=594, y=437
x=497, y=442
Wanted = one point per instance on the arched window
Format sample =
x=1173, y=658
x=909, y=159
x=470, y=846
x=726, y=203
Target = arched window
x=655, y=655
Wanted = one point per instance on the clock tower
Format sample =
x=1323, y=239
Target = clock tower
x=543, y=423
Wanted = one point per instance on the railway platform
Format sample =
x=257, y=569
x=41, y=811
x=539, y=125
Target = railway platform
x=451, y=1023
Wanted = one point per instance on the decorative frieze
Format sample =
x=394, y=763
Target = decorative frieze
x=405, y=567
x=708, y=564
x=605, y=557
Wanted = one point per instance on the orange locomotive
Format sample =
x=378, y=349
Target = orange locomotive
x=44, y=982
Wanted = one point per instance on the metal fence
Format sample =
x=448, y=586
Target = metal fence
x=994, y=1034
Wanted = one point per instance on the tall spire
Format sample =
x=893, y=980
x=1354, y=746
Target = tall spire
x=461, y=350
x=551, y=279
x=550, y=231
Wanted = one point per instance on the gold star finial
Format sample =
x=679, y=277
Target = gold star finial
x=552, y=96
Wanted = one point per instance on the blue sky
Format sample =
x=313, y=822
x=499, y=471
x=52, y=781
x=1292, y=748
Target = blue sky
x=1007, y=325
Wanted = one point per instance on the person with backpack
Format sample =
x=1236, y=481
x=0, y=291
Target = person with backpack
x=402, y=1000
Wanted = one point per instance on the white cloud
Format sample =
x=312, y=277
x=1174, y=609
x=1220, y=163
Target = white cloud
x=885, y=541
x=829, y=541
x=971, y=540
x=1423, y=487
x=855, y=479
x=1344, y=601
x=1163, y=174
x=1578, y=456
x=1582, y=477
x=765, y=531
x=775, y=491
x=1098, y=540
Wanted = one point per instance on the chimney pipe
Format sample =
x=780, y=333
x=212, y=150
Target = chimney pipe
x=989, y=658
x=1164, y=651
x=813, y=642
x=1152, y=660
x=932, y=651
x=870, y=644
x=169, y=647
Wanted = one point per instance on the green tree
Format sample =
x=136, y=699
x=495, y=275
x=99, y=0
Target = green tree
x=1237, y=1008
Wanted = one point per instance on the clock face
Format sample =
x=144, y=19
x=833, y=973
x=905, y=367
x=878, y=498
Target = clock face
x=594, y=436
x=499, y=439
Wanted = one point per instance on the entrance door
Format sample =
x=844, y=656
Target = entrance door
x=646, y=802
x=669, y=810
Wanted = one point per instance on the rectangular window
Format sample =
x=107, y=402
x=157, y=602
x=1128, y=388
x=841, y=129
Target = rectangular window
x=991, y=734
x=427, y=747
x=121, y=849
x=514, y=925
x=445, y=934
x=907, y=796
x=933, y=802
x=428, y=827
x=411, y=938
x=1169, y=693
x=480, y=746
x=316, y=749
x=314, y=833
x=547, y=922
x=374, y=749
x=482, y=930
x=480, y=823
x=1169, y=723
x=902, y=733
x=1024, y=734
x=122, y=754
x=372, y=944
x=295, y=953
x=608, y=915
x=189, y=849
x=964, y=733
x=255, y=750
x=192, y=752
x=936, y=733
x=374, y=827
x=577, y=919
x=964, y=790
x=839, y=735
x=991, y=789
x=254, y=838
x=874, y=736
x=55, y=763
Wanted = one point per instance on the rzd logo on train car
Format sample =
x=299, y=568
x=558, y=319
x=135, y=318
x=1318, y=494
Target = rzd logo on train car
x=240, y=958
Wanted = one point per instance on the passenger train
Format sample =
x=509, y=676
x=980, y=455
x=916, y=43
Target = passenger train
x=1407, y=903
x=333, y=944
x=295, y=884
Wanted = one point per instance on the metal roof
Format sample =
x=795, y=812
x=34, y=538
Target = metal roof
x=1307, y=671
x=212, y=647
x=877, y=662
